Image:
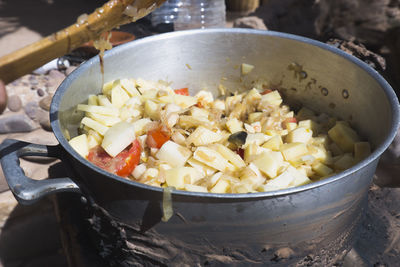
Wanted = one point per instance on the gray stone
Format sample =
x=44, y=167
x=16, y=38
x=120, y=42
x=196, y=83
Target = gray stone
x=46, y=102
x=43, y=118
x=40, y=92
x=251, y=22
x=14, y=103
x=31, y=109
x=14, y=123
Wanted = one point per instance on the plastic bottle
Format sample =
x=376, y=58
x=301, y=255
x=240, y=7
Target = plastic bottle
x=189, y=14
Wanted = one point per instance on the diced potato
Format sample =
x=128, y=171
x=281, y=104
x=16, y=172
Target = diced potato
x=321, y=140
x=107, y=87
x=80, y=144
x=181, y=100
x=212, y=158
x=299, y=135
x=118, y=137
x=361, y=150
x=195, y=188
x=92, y=141
x=178, y=177
x=199, y=112
x=293, y=150
x=290, y=126
x=344, y=162
x=280, y=182
x=119, y=96
x=130, y=87
x=151, y=110
x=300, y=178
x=320, y=153
x=256, y=138
x=222, y=186
x=268, y=164
x=255, y=116
x=274, y=143
x=187, y=122
x=311, y=125
x=305, y=114
x=343, y=136
x=110, y=111
x=92, y=100
x=234, y=125
x=203, y=136
x=246, y=68
x=104, y=101
x=139, y=171
x=140, y=125
x=100, y=128
x=229, y=155
x=252, y=151
x=103, y=119
x=208, y=171
x=321, y=169
x=174, y=154
x=252, y=97
x=273, y=98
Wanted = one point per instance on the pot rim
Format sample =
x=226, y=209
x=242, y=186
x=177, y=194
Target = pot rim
x=390, y=94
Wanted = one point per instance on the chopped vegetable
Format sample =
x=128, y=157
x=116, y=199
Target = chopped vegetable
x=242, y=143
x=157, y=137
x=182, y=91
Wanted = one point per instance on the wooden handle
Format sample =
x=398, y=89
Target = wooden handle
x=109, y=16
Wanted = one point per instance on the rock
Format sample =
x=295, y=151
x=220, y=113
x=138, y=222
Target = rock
x=55, y=79
x=3, y=97
x=40, y=92
x=43, y=118
x=56, y=75
x=14, y=123
x=251, y=22
x=69, y=70
x=31, y=109
x=45, y=103
x=14, y=103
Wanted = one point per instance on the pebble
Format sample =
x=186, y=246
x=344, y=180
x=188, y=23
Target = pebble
x=45, y=103
x=3, y=97
x=31, y=109
x=56, y=75
x=251, y=22
x=40, y=92
x=44, y=119
x=14, y=103
x=14, y=123
x=69, y=70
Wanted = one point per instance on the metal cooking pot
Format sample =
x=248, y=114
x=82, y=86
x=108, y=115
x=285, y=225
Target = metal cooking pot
x=321, y=216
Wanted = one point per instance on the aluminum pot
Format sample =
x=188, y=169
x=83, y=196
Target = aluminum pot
x=252, y=227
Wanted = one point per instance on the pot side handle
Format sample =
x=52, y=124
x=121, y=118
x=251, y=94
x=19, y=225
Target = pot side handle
x=26, y=190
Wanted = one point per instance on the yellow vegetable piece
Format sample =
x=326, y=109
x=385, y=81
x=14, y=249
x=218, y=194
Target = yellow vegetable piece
x=343, y=136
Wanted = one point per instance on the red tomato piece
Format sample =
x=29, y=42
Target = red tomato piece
x=157, y=137
x=291, y=120
x=267, y=91
x=123, y=164
x=132, y=159
x=182, y=91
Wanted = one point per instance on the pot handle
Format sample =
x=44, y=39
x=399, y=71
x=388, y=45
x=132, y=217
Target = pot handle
x=26, y=190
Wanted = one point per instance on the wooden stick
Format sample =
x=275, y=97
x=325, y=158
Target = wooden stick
x=109, y=16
